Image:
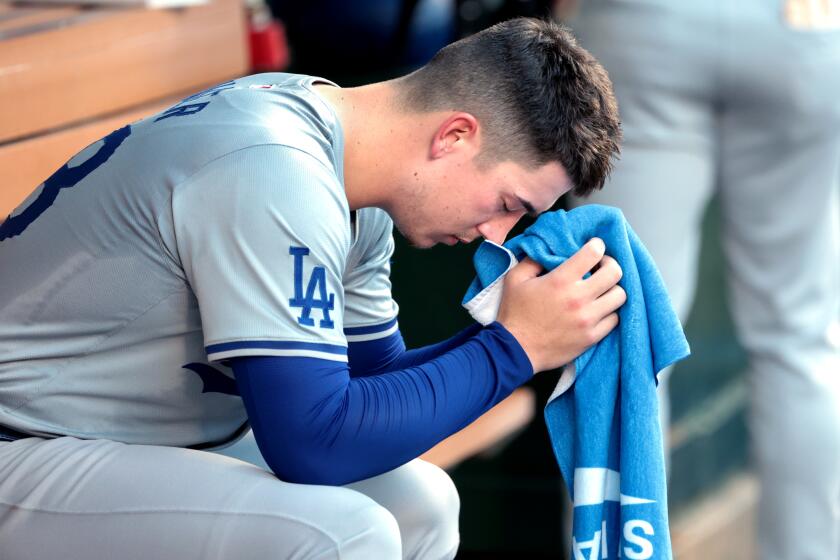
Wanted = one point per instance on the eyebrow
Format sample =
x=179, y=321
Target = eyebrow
x=528, y=206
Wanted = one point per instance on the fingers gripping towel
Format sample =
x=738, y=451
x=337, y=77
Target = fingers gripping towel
x=603, y=415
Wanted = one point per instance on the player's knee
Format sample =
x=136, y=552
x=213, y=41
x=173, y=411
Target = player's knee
x=371, y=532
x=434, y=517
x=439, y=497
x=342, y=533
x=379, y=536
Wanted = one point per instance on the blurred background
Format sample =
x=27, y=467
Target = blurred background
x=71, y=73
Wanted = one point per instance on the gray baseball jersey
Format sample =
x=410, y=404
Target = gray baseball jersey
x=217, y=228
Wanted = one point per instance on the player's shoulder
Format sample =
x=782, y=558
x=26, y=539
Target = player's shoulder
x=269, y=108
x=285, y=100
x=276, y=179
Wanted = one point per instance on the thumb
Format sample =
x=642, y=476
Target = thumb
x=525, y=270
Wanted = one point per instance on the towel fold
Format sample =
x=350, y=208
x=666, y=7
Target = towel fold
x=603, y=417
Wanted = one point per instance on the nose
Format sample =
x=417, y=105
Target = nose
x=496, y=229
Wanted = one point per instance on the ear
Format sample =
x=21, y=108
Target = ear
x=458, y=133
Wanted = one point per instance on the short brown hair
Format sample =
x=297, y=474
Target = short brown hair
x=539, y=96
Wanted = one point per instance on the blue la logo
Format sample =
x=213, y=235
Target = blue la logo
x=317, y=282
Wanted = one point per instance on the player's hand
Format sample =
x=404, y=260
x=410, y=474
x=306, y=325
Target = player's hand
x=557, y=316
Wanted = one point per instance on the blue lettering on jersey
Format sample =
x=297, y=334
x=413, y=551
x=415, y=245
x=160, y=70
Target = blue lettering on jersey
x=64, y=178
x=318, y=281
x=210, y=92
x=214, y=380
x=181, y=110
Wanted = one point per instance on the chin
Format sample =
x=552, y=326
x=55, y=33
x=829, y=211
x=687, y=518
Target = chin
x=421, y=243
x=415, y=240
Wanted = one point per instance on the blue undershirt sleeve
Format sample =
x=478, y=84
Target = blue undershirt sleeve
x=315, y=424
x=372, y=357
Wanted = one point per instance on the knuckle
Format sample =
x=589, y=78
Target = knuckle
x=556, y=279
x=575, y=303
x=591, y=337
x=583, y=322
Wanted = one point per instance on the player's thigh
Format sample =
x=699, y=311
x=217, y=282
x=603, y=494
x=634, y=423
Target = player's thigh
x=780, y=187
x=421, y=497
x=72, y=499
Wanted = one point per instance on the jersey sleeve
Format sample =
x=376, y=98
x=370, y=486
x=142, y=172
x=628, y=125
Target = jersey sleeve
x=370, y=310
x=262, y=235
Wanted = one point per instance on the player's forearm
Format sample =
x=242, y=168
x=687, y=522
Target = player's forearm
x=374, y=357
x=331, y=429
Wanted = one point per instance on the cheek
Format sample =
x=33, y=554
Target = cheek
x=487, y=208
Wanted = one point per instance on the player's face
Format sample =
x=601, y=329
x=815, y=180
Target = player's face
x=465, y=201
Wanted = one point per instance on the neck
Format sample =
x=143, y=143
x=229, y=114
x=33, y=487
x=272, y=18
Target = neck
x=371, y=125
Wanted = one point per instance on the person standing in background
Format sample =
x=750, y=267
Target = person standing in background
x=741, y=99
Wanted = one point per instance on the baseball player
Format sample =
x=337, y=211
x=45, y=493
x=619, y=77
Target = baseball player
x=740, y=100
x=223, y=266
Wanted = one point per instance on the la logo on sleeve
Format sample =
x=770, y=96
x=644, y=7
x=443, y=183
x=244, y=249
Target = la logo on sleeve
x=317, y=286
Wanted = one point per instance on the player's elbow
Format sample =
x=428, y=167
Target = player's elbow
x=312, y=466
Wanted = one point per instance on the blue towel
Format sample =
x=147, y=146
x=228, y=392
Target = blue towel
x=604, y=431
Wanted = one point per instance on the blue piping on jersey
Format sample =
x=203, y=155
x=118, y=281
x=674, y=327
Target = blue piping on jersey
x=276, y=345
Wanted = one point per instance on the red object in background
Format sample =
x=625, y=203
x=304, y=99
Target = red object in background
x=268, y=45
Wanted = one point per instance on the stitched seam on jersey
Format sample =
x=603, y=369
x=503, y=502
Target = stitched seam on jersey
x=335, y=540
x=179, y=271
x=92, y=348
x=174, y=267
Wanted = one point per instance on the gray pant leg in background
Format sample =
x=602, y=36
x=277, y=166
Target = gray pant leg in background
x=780, y=140
x=726, y=93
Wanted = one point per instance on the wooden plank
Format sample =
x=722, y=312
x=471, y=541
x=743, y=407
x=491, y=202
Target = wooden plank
x=24, y=17
x=720, y=525
x=10, y=11
x=25, y=165
x=117, y=60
